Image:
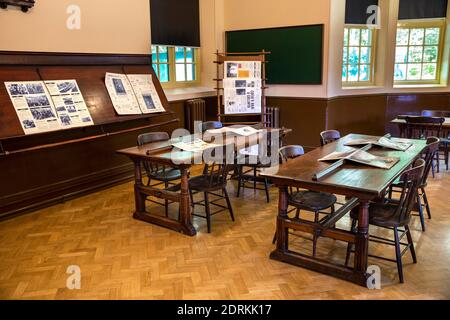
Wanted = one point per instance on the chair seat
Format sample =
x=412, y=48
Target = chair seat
x=167, y=175
x=202, y=183
x=384, y=215
x=312, y=201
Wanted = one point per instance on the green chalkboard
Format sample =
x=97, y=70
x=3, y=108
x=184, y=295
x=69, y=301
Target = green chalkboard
x=296, y=52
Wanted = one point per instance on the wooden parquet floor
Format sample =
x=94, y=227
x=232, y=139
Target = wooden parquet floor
x=121, y=258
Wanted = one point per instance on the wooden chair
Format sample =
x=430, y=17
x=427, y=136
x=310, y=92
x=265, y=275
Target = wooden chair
x=252, y=175
x=305, y=200
x=213, y=179
x=445, y=138
x=209, y=125
x=424, y=127
x=422, y=199
x=329, y=136
x=162, y=174
x=394, y=215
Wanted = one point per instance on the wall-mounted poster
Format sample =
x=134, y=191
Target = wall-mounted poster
x=122, y=94
x=69, y=103
x=146, y=93
x=242, y=87
x=33, y=106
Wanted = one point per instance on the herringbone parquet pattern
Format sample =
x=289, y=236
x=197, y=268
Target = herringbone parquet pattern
x=121, y=258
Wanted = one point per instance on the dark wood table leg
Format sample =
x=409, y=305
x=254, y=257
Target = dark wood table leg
x=362, y=243
x=185, y=206
x=139, y=198
x=281, y=233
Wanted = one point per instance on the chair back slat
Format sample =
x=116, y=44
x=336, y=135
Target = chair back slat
x=430, y=154
x=290, y=152
x=423, y=127
x=436, y=113
x=410, y=183
x=209, y=125
x=329, y=136
x=150, y=137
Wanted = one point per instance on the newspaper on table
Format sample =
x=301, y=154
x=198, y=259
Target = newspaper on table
x=33, y=106
x=381, y=142
x=241, y=131
x=69, y=103
x=194, y=145
x=147, y=96
x=362, y=157
x=122, y=95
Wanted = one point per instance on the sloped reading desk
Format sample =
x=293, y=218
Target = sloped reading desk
x=46, y=168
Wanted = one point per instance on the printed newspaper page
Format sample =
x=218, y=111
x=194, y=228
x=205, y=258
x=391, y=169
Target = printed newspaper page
x=146, y=93
x=242, y=69
x=362, y=157
x=33, y=106
x=69, y=103
x=242, y=96
x=122, y=94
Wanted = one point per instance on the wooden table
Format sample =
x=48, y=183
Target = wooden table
x=401, y=122
x=356, y=182
x=162, y=153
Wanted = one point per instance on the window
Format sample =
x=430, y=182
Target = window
x=160, y=56
x=176, y=66
x=358, y=56
x=418, y=53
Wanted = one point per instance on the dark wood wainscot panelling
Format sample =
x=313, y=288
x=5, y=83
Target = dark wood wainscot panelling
x=413, y=104
x=306, y=116
x=43, y=169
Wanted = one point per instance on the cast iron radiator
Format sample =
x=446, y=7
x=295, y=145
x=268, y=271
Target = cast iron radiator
x=272, y=117
x=195, y=111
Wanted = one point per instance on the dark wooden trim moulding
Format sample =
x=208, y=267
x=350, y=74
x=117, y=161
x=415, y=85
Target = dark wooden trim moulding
x=72, y=59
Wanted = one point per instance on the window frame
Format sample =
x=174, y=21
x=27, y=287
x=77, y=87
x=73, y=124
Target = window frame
x=373, y=46
x=173, y=83
x=440, y=23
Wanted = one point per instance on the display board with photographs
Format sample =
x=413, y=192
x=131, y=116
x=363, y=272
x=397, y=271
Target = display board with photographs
x=122, y=95
x=146, y=94
x=242, y=86
x=34, y=106
x=69, y=103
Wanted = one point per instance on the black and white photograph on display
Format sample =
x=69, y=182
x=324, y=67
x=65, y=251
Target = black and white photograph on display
x=34, y=106
x=118, y=86
x=241, y=83
x=17, y=89
x=147, y=96
x=42, y=113
x=65, y=120
x=240, y=92
x=28, y=124
x=35, y=88
x=86, y=119
x=67, y=87
x=37, y=101
x=148, y=101
x=68, y=101
x=71, y=109
x=232, y=70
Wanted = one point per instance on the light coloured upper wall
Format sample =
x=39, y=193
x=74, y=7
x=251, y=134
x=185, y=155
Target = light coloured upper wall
x=252, y=14
x=107, y=26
